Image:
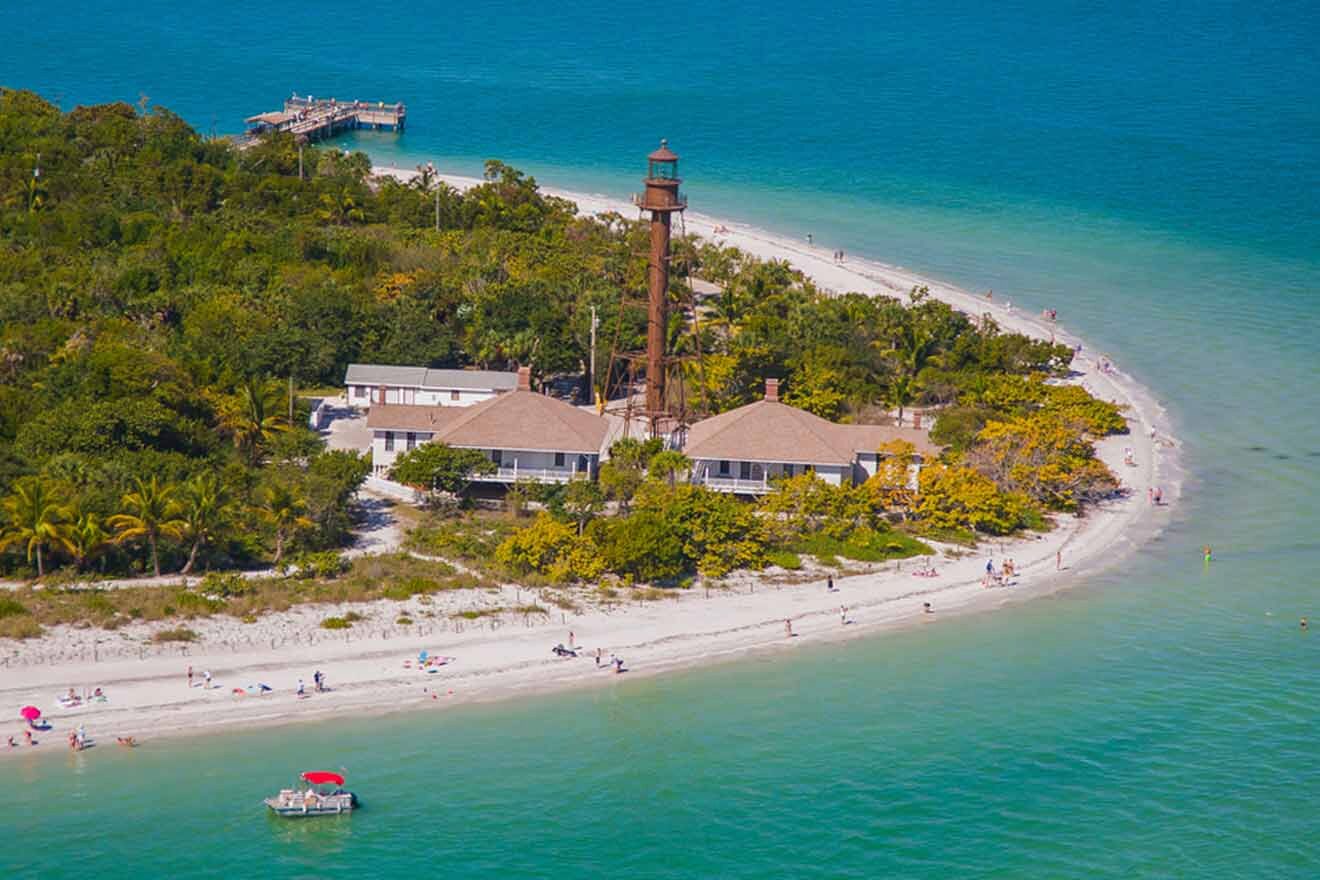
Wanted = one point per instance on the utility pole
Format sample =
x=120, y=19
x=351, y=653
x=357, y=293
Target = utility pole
x=436, y=182
x=595, y=322
x=32, y=187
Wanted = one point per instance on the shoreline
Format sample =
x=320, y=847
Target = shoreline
x=500, y=659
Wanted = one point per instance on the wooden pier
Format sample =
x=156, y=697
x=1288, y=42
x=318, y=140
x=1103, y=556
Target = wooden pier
x=318, y=118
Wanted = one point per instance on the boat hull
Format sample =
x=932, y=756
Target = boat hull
x=339, y=806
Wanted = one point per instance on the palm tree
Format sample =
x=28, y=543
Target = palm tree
x=340, y=210
x=151, y=512
x=902, y=391
x=669, y=464
x=86, y=538
x=913, y=348
x=38, y=516
x=206, y=506
x=260, y=417
x=286, y=510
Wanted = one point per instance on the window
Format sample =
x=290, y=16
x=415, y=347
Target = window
x=454, y=395
x=497, y=456
x=389, y=441
x=412, y=440
x=745, y=470
x=788, y=470
x=724, y=468
x=359, y=391
x=808, y=469
x=559, y=459
x=583, y=466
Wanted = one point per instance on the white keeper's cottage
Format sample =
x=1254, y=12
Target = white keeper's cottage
x=528, y=436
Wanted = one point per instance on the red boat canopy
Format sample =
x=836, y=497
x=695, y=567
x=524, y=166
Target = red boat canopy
x=322, y=777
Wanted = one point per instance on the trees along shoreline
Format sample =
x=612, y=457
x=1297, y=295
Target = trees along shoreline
x=163, y=292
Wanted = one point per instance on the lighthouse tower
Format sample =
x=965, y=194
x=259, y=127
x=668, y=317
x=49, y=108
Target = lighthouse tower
x=661, y=198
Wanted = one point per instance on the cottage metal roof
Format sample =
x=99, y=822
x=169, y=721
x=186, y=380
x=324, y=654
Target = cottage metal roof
x=422, y=377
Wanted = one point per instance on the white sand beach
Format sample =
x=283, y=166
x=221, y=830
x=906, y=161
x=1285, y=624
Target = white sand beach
x=372, y=667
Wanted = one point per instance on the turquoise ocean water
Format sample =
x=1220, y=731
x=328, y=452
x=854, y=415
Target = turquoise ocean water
x=1150, y=170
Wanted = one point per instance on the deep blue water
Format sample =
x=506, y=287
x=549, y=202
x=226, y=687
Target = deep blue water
x=1150, y=170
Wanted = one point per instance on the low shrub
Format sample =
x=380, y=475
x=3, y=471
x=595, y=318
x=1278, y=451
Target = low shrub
x=12, y=608
x=225, y=585
x=336, y=623
x=785, y=559
x=476, y=614
x=19, y=627
x=408, y=587
x=178, y=634
x=324, y=566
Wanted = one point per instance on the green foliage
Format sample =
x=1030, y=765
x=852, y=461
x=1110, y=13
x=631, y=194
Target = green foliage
x=11, y=607
x=643, y=546
x=36, y=518
x=177, y=634
x=863, y=545
x=1045, y=457
x=440, y=467
x=336, y=623
x=958, y=426
x=326, y=565
x=159, y=291
x=225, y=585
x=583, y=500
x=785, y=559
x=958, y=497
x=471, y=539
x=718, y=532
x=538, y=546
x=1074, y=404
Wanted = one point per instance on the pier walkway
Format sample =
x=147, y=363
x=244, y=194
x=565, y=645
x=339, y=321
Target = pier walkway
x=318, y=118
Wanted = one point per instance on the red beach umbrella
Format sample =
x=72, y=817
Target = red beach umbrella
x=30, y=713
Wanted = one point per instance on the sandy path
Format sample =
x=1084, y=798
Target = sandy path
x=510, y=654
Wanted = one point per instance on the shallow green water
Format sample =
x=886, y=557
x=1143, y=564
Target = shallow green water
x=1148, y=170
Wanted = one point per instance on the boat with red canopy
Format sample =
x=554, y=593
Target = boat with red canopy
x=318, y=793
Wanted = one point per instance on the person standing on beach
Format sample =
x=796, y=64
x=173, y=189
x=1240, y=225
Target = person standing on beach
x=1058, y=560
x=810, y=241
x=843, y=614
x=829, y=584
x=598, y=658
x=302, y=690
x=189, y=675
x=571, y=639
x=788, y=627
x=206, y=677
